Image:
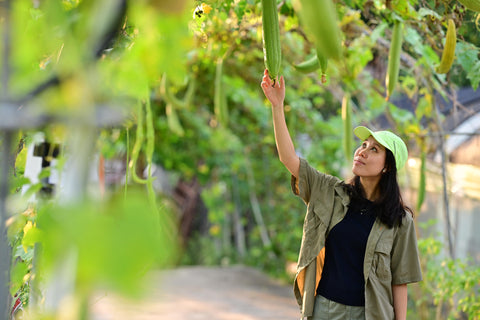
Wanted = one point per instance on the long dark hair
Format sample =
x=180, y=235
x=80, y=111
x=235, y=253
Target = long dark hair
x=389, y=206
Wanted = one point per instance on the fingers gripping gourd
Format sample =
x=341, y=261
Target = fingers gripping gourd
x=272, y=52
x=448, y=54
x=394, y=58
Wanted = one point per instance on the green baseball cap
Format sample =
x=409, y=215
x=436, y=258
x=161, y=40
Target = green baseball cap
x=387, y=139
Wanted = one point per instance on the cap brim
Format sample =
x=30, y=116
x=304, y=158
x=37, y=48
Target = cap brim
x=363, y=133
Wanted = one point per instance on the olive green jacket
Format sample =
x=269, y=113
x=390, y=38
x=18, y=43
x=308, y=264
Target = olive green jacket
x=391, y=256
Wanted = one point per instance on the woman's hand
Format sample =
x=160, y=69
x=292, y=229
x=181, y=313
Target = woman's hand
x=274, y=91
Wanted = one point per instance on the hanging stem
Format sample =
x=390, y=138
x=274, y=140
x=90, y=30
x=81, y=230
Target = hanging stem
x=149, y=153
x=168, y=227
x=138, y=145
x=444, y=178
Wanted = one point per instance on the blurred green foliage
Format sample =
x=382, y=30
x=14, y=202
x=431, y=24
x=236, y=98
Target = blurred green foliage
x=114, y=242
x=450, y=288
x=110, y=245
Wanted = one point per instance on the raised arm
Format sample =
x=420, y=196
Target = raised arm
x=276, y=95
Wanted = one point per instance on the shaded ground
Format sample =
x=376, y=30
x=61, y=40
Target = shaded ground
x=213, y=293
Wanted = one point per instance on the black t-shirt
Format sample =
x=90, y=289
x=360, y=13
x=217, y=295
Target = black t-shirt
x=342, y=276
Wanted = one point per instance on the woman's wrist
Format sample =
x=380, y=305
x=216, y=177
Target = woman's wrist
x=277, y=106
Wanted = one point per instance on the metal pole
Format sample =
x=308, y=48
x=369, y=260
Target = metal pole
x=5, y=251
x=446, y=203
x=72, y=190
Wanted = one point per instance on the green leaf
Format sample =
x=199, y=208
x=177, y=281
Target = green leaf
x=400, y=115
x=466, y=54
x=19, y=182
x=30, y=237
x=33, y=189
x=24, y=255
x=378, y=32
x=401, y=6
x=423, y=12
x=426, y=53
x=409, y=85
x=424, y=107
x=17, y=275
x=45, y=173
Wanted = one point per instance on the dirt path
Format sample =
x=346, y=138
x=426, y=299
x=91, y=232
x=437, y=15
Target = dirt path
x=213, y=293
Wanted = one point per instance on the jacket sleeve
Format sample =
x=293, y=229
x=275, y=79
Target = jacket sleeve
x=405, y=262
x=310, y=179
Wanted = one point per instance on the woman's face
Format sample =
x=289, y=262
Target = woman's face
x=369, y=159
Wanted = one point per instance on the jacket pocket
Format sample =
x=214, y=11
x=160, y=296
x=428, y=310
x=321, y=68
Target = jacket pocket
x=381, y=262
x=315, y=217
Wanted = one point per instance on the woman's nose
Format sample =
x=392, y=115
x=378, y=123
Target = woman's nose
x=362, y=153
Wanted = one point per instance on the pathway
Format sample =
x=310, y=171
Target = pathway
x=197, y=293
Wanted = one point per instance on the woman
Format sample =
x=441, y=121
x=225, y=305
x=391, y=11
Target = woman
x=359, y=247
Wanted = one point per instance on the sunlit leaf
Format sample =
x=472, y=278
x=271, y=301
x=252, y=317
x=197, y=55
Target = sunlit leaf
x=16, y=277
x=467, y=57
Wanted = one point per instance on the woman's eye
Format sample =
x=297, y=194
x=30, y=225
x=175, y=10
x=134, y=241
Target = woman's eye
x=374, y=149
